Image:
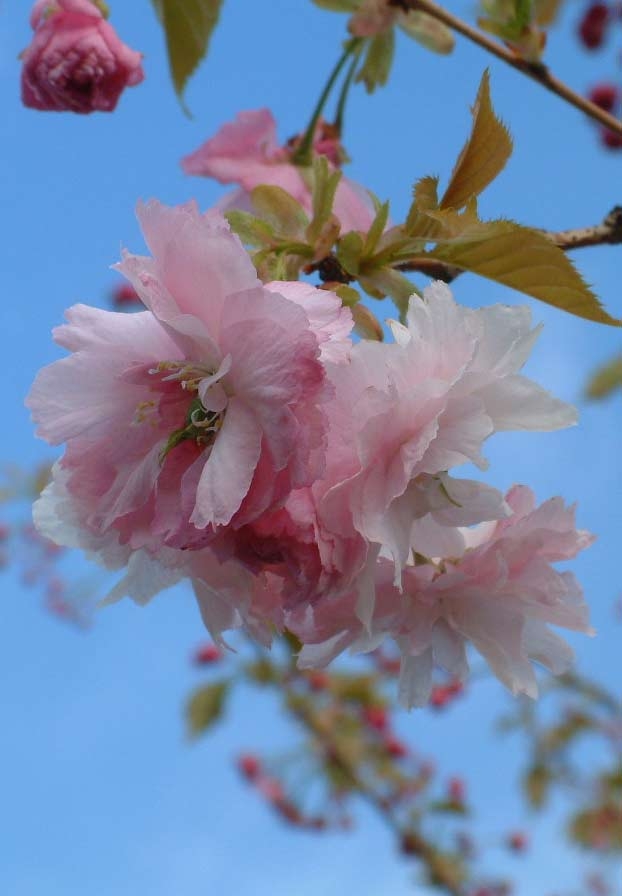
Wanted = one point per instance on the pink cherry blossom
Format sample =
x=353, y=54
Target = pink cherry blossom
x=202, y=412
x=498, y=593
x=425, y=404
x=246, y=152
x=76, y=61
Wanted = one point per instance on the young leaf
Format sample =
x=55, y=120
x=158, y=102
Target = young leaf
x=251, y=230
x=280, y=210
x=324, y=183
x=206, y=706
x=378, y=60
x=338, y=5
x=427, y=31
x=388, y=282
x=606, y=379
x=483, y=156
x=526, y=260
x=377, y=228
x=349, y=251
x=188, y=26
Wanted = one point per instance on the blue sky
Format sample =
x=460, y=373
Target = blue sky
x=101, y=792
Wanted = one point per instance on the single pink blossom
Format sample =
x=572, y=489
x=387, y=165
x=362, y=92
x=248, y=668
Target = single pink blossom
x=499, y=592
x=246, y=152
x=76, y=61
x=203, y=412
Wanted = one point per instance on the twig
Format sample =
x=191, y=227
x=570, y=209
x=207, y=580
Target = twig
x=412, y=840
x=608, y=232
x=535, y=70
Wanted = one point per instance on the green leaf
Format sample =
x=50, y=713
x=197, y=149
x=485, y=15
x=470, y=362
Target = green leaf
x=425, y=199
x=280, y=210
x=523, y=259
x=206, y=706
x=349, y=251
x=188, y=26
x=323, y=187
x=338, y=5
x=605, y=379
x=483, y=156
x=536, y=784
x=348, y=295
x=388, y=282
x=251, y=230
x=427, y=31
x=376, y=66
x=377, y=229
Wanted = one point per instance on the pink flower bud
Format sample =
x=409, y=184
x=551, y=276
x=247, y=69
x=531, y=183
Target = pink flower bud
x=604, y=95
x=376, y=717
x=395, y=748
x=249, y=766
x=207, y=655
x=125, y=294
x=76, y=61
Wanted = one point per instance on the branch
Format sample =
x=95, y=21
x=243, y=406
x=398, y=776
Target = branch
x=608, y=232
x=535, y=70
x=412, y=841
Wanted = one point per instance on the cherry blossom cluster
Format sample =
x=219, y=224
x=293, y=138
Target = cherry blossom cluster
x=234, y=434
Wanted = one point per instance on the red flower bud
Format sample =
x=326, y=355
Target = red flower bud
x=249, y=766
x=604, y=95
x=592, y=26
x=207, y=655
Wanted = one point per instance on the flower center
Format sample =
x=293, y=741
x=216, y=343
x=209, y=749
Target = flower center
x=200, y=425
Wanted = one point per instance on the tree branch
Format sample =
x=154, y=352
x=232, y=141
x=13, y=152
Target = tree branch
x=535, y=70
x=608, y=232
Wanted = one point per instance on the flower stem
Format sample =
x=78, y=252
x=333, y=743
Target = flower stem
x=343, y=96
x=302, y=156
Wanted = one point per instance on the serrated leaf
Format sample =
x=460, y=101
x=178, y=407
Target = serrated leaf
x=605, y=379
x=276, y=206
x=378, y=60
x=188, y=26
x=483, y=156
x=349, y=251
x=252, y=231
x=526, y=260
x=425, y=198
x=206, y=706
x=428, y=31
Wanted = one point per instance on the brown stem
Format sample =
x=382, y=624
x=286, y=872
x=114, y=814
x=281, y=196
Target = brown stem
x=535, y=70
x=608, y=232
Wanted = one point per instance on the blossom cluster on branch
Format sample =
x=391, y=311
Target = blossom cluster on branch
x=234, y=434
